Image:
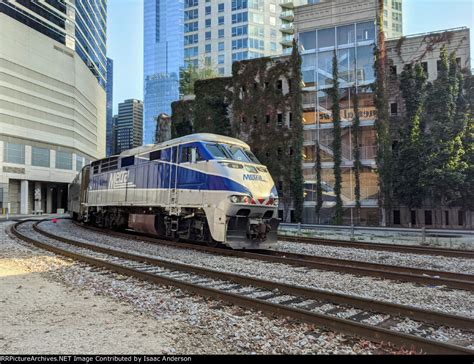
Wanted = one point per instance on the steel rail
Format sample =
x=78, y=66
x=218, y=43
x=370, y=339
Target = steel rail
x=435, y=317
x=399, y=273
x=370, y=332
x=413, y=249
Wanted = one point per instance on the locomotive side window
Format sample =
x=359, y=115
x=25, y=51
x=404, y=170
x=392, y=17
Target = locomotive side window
x=155, y=155
x=128, y=161
x=187, y=153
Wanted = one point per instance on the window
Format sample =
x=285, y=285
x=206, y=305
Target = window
x=239, y=18
x=239, y=4
x=279, y=84
x=220, y=8
x=207, y=61
x=239, y=30
x=446, y=217
x=218, y=151
x=326, y=38
x=365, y=31
x=155, y=155
x=40, y=157
x=186, y=154
x=393, y=71
x=208, y=23
x=190, y=3
x=280, y=119
x=460, y=218
x=221, y=71
x=307, y=40
x=79, y=163
x=220, y=33
x=221, y=46
x=393, y=108
x=239, y=43
x=207, y=48
x=424, y=65
x=208, y=35
x=208, y=10
x=190, y=39
x=238, y=56
x=63, y=160
x=191, y=27
x=14, y=153
x=190, y=52
x=273, y=46
x=220, y=59
x=256, y=44
x=191, y=14
x=220, y=20
x=428, y=217
x=345, y=35
x=127, y=161
x=396, y=217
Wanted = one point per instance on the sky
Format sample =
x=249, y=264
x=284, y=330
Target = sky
x=125, y=35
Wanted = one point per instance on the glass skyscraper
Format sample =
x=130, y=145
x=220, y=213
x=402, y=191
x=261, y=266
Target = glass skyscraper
x=163, y=57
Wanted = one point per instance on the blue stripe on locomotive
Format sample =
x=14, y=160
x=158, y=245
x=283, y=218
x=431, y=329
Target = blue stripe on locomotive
x=156, y=174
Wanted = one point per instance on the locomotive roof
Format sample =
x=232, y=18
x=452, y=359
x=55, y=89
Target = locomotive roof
x=199, y=137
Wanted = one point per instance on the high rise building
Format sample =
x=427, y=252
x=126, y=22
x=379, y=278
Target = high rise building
x=128, y=125
x=163, y=57
x=52, y=98
x=110, y=103
x=218, y=32
x=213, y=33
x=393, y=18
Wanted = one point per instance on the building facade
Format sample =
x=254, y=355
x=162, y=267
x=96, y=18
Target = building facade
x=331, y=9
x=110, y=105
x=425, y=49
x=128, y=125
x=52, y=99
x=163, y=58
x=322, y=29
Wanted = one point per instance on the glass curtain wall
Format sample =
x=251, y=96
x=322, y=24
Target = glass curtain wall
x=354, y=46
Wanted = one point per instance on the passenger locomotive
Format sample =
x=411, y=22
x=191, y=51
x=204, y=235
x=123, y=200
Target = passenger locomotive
x=200, y=187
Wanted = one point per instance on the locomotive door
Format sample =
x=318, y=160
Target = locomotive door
x=172, y=200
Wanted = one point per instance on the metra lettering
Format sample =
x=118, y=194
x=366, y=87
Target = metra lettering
x=118, y=180
x=252, y=177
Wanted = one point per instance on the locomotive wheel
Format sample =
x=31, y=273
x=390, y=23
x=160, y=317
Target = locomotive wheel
x=212, y=243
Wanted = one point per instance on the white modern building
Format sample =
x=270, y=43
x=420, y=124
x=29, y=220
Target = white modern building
x=52, y=100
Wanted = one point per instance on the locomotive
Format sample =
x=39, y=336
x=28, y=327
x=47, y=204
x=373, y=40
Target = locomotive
x=200, y=187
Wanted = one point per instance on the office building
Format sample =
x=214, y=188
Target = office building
x=128, y=125
x=52, y=99
x=110, y=105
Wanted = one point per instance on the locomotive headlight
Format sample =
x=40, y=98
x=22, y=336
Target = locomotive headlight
x=239, y=199
x=275, y=201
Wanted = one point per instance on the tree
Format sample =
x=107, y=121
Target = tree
x=319, y=189
x=190, y=74
x=356, y=150
x=409, y=158
x=445, y=170
x=297, y=180
x=382, y=122
x=336, y=144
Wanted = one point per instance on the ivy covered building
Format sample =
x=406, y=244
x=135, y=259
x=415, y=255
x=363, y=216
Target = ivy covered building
x=260, y=104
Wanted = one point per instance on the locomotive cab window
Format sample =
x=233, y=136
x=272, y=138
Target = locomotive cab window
x=218, y=151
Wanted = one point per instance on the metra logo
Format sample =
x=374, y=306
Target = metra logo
x=120, y=180
x=253, y=177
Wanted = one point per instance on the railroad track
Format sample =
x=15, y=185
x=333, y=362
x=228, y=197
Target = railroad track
x=355, y=316
x=413, y=249
x=399, y=273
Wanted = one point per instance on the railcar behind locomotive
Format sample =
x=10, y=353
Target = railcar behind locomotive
x=201, y=187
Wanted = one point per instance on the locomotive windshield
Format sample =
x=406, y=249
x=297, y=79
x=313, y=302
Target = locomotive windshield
x=232, y=152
